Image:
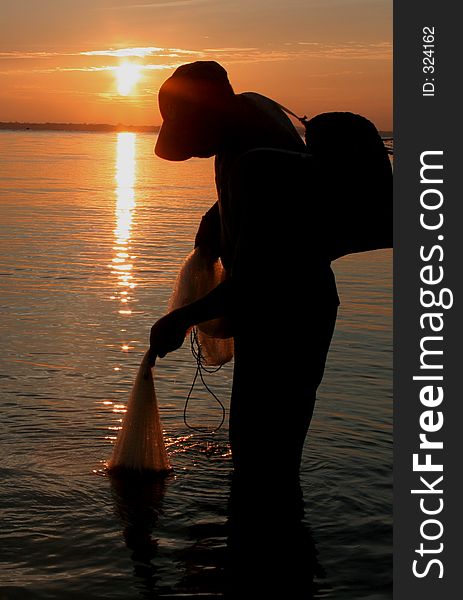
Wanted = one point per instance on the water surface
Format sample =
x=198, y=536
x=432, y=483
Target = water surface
x=93, y=230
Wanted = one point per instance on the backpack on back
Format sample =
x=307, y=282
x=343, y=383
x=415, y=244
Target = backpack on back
x=351, y=177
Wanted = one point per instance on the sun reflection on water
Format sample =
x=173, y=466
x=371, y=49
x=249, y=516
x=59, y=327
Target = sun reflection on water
x=122, y=265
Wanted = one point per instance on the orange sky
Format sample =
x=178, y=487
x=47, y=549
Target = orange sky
x=59, y=59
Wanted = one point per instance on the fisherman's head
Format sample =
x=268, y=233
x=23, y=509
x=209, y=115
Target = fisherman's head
x=194, y=103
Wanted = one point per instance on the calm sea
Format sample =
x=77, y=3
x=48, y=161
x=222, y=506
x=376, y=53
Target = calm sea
x=93, y=230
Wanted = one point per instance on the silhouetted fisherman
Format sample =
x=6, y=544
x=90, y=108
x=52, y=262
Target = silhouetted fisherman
x=280, y=294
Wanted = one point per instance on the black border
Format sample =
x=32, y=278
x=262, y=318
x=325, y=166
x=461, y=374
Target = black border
x=423, y=123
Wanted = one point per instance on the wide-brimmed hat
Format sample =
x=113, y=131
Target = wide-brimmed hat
x=194, y=91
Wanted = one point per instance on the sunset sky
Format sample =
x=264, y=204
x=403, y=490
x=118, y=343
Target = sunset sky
x=103, y=61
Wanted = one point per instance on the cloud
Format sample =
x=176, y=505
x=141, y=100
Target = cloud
x=229, y=50
x=159, y=67
x=137, y=52
x=347, y=50
x=171, y=58
x=85, y=69
x=142, y=52
x=22, y=55
x=303, y=50
x=161, y=4
x=123, y=52
x=55, y=70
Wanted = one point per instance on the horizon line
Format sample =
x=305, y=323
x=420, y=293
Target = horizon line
x=72, y=126
x=92, y=127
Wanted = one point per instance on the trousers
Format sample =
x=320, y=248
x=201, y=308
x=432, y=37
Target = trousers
x=284, y=312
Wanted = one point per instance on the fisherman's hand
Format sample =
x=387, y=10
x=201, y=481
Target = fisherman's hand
x=167, y=335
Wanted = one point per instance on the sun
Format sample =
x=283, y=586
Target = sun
x=127, y=75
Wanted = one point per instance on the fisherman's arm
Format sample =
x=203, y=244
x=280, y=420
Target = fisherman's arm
x=169, y=332
x=208, y=234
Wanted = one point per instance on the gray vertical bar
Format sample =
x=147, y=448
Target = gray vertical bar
x=427, y=123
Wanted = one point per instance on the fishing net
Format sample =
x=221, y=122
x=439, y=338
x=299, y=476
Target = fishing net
x=140, y=444
x=215, y=351
x=199, y=275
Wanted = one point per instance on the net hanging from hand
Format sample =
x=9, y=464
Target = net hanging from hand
x=140, y=443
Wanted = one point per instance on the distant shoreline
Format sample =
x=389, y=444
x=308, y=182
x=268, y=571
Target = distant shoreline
x=91, y=127
x=105, y=128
